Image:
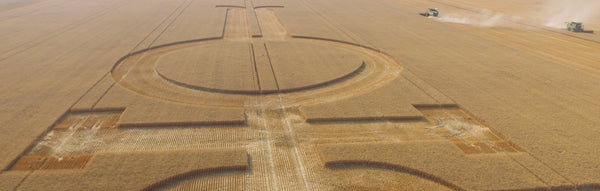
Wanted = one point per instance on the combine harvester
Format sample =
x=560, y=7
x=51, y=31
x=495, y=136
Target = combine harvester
x=432, y=12
x=577, y=27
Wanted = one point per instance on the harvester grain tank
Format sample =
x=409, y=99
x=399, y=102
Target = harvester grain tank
x=575, y=26
x=431, y=12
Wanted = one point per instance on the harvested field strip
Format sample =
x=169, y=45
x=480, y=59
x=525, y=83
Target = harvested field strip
x=366, y=119
x=253, y=23
x=271, y=26
x=48, y=154
x=262, y=151
x=237, y=25
x=176, y=138
x=158, y=168
x=184, y=124
x=79, y=140
x=466, y=131
x=195, y=174
x=70, y=162
x=37, y=162
x=448, y=122
x=324, y=178
x=30, y=162
x=103, y=119
x=70, y=122
x=228, y=178
x=264, y=69
x=399, y=168
x=278, y=147
x=416, y=158
x=73, y=135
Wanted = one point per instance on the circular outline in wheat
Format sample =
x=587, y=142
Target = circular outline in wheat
x=137, y=72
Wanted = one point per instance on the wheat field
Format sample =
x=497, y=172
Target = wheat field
x=299, y=95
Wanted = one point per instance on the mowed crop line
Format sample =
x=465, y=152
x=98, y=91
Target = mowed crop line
x=236, y=28
x=299, y=165
x=269, y=143
x=91, y=132
x=278, y=140
x=270, y=25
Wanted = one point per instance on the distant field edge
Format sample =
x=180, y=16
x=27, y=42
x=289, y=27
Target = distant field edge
x=19, y=5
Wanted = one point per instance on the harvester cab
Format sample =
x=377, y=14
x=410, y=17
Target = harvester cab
x=431, y=12
x=575, y=26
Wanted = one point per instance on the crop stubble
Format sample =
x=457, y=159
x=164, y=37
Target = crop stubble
x=408, y=129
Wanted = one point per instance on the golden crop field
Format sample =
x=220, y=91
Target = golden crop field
x=299, y=95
